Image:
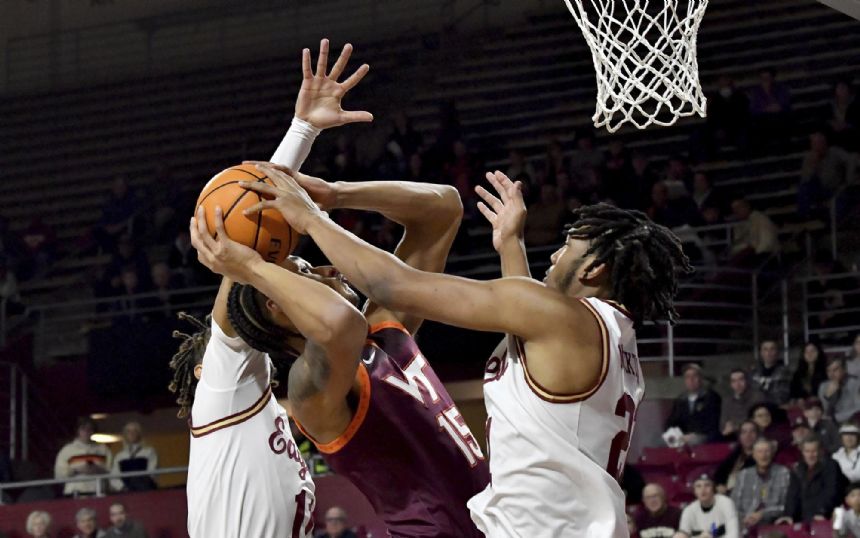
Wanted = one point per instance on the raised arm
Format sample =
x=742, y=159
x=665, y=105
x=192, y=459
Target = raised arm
x=507, y=214
x=430, y=215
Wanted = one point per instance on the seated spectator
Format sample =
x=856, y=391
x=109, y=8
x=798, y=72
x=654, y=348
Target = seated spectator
x=545, y=218
x=728, y=115
x=791, y=454
x=586, y=157
x=642, y=178
x=117, y=216
x=128, y=304
x=183, y=262
x=706, y=196
x=697, y=411
x=755, y=237
x=85, y=522
x=840, y=394
x=852, y=363
x=656, y=518
x=825, y=170
x=848, y=455
x=39, y=248
x=520, y=167
x=770, y=108
x=556, y=163
x=677, y=177
x=829, y=292
x=711, y=514
x=616, y=169
x=823, y=427
x=772, y=423
x=811, y=371
x=337, y=524
x=736, y=407
x=82, y=456
x=850, y=527
x=844, y=115
x=404, y=135
x=39, y=524
x=134, y=456
x=740, y=458
x=813, y=493
x=760, y=493
x=770, y=375
x=121, y=525
x=668, y=212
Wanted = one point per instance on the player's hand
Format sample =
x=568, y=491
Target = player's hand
x=322, y=192
x=319, y=100
x=221, y=254
x=507, y=212
x=286, y=196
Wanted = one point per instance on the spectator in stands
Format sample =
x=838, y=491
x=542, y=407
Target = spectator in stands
x=461, y=171
x=770, y=375
x=642, y=178
x=121, y=525
x=117, y=215
x=823, y=427
x=850, y=527
x=656, y=518
x=791, y=454
x=815, y=486
x=736, y=407
x=697, y=411
x=677, y=177
x=760, y=493
x=183, y=261
x=404, y=135
x=545, y=217
x=520, y=167
x=848, y=455
x=711, y=514
x=852, y=364
x=82, y=456
x=85, y=522
x=128, y=304
x=415, y=169
x=829, y=292
x=728, y=116
x=39, y=244
x=740, y=458
x=671, y=213
x=772, y=423
x=128, y=255
x=844, y=115
x=9, y=292
x=811, y=371
x=770, y=108
x=840, y=394
x=706, y=196
x=616, y=170
x=164, y=284
x=755, y=237
x=337, y=524
x=39, y=524
x=134, y=456
x=556, y=162
x=825, y=170
x=586, y=157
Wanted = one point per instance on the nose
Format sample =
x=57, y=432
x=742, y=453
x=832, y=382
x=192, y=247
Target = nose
x=555, y=256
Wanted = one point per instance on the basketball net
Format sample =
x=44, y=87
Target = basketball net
x=645, y=58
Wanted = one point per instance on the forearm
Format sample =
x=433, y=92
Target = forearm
x=404, y=202
x=514, y=259
x=296, y=144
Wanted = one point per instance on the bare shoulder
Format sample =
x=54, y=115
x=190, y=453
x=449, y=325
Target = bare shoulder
x=321, y=413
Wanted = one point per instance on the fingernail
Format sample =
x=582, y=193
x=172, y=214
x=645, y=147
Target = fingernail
x=218, y=210
x=243, y=183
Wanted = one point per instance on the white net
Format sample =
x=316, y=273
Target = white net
x=645, y=58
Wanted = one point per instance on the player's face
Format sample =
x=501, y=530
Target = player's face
x=567, y=272
x=325, y=274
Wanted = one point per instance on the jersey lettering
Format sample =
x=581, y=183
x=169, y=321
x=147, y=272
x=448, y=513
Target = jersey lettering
x=625, y=408
x=415, y=378
x=451, y=421
x=303, y=522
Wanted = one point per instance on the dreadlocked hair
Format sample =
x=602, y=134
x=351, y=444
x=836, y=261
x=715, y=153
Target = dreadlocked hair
x=644, y=259
x=190, y=354
x=247, y=313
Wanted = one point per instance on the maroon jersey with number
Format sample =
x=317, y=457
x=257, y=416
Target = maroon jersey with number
x=407, y=448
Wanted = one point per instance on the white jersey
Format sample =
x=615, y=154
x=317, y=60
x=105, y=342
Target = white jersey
x=246, y=477
x=555, y=459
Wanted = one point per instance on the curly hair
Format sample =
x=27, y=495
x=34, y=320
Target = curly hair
x=190, y=354
x=246, y=309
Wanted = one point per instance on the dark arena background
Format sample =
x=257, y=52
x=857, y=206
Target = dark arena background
x=115, y=113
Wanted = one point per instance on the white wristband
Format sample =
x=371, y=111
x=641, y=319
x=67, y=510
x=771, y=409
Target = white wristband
x=296, y=145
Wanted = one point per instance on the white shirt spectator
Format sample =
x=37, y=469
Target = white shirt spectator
x=721, y=517
x=849, y=463
x=133, y=452
x=78, y=458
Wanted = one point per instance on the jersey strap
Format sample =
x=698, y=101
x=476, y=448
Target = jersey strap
x=234, y=419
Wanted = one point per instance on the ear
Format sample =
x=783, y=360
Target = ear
x=596, y=273
x=198, y=371
x=272, y=307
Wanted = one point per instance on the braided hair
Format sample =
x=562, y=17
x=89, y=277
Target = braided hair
x=190, y=354
x=644, y=259
x=246, y=309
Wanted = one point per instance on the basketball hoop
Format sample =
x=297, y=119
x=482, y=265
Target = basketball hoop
x=645, y=58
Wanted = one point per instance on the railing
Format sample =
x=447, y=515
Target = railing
x=811, y=330
x=16, y=392
x=99, y=480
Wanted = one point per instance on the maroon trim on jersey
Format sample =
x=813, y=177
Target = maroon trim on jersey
x=232, y=420
x=354, y=425
x=555, y=397
x=619, y=307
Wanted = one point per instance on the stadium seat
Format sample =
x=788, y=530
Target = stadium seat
x=663, y=458
x=710, y=453
x=821, y=528
x=798, y=530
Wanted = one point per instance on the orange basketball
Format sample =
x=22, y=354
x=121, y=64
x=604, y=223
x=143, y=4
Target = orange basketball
x=266, y=232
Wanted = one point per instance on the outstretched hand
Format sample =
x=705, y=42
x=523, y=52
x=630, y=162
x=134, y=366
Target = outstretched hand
x=319, y=100
x=507, y=212
x=285, y=196
x=221, y=254
x=322, y=192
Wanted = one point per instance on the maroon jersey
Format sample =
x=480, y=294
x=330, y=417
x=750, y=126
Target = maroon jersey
x=407, y=448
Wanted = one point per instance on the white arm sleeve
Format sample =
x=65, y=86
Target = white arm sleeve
x=296, y=145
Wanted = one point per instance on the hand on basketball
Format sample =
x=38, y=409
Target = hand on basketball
x=319, y=100
x=321, y=191
x=507, y=212
x=221, y=254
x=286, y=196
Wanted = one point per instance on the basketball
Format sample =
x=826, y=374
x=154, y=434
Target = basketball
x=266, y=232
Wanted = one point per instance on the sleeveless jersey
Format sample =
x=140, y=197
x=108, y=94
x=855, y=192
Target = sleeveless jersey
x=555, y=460
x=246, y=476
x=407, y=448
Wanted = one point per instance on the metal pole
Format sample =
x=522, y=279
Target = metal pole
x=25, y=433
x=785, y=341
x=755, y=314
x=805, y=309
x=833, y=227
x=13, y=397
x=670, y=335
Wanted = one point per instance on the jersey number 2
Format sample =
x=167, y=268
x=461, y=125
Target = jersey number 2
x=625, y=408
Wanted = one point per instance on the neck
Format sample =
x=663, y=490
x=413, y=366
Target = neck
x=707, y=504
x=762, y=470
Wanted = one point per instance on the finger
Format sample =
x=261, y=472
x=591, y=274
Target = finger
x=498, y=186
x=322, y=61
x=278, y=175
x=356, y=116
x=355, y=78
x=204, y=237
x=276, y=166
x=491, y=200
x=258, y=207
x=306, y=64
x=503, y=180
x=259, y=187
x=488, y=214
x=219, y=225
x=340, y=64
